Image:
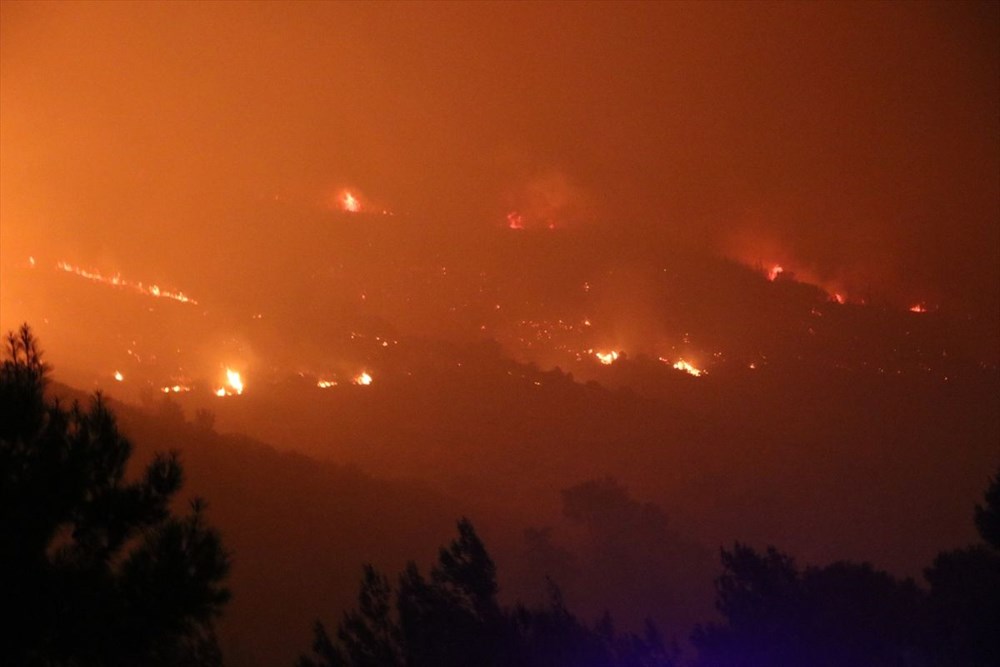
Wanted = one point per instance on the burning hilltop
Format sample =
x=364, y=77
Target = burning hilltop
x=361, y=291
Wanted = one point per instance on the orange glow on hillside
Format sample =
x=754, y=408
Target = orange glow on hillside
x=774, y=272
x=515, y=220
x=918, y=308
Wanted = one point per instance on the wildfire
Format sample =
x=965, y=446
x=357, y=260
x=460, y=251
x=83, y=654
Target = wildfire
x=117, y=281
x=118, y=376
x=606, y=358
x=918, y=308
x=179, y=388
x=326, y=384
x=682, y=365
x=349, y=202
x=837, y=297
x=515, y=220
x=235, y=383
x=774, y=272
x=363, y=379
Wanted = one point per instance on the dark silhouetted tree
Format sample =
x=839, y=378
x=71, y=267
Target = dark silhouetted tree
x=842, y=614
x=965, y=593
x=95, y=568
x=988, y=515
x=453, y=618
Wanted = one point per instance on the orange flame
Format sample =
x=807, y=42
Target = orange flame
x=235, y=383
x=363, y=379
x=349, y=202
x=326, y=384
x=682, y=365
x=774, y=272
x=117, y=281
x=118, y=376
x=178, y=388
x=918, y=308
x=515, y=220
x=606, y=358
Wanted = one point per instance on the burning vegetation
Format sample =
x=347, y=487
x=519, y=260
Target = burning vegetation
x=233, y=386
x=115, y=280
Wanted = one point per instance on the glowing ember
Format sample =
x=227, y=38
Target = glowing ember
x=363, y=379
x=838, y=298
x=31, y=262
x=326, y=384
x=682, y=365
x=606, y=358
x=515, y=220
x=117, y=281
x=118, y=376
x=918, y=308
x=349, y=202
x=774, y=272
x=178, y=388
x=221, y=392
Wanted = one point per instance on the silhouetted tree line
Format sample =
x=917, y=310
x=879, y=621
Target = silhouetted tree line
x=95, y=569
x=773, y=614
x=453, y=619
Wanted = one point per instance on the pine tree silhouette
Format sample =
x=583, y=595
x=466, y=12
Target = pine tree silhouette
x=95, y=569
x=453, y=618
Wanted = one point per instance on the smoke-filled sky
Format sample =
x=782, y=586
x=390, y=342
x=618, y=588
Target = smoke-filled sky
x=859, y=141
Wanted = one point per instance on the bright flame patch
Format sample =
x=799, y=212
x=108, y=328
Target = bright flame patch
x=606, y=358
x=235, y=382
x=349, y=202
x=682, y=365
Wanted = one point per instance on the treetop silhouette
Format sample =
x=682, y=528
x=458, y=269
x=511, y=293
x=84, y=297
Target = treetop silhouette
x=96, y=569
